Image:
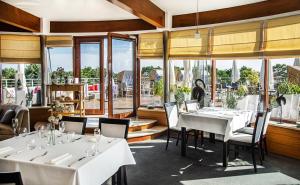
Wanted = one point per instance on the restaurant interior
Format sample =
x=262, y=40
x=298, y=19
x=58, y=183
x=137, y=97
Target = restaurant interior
x=147, y=92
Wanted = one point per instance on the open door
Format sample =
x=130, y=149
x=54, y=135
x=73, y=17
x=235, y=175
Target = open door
x=122, y=75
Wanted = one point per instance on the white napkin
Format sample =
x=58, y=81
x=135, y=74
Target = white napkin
x=60, y=159
x=5, y=149
x=92, y=140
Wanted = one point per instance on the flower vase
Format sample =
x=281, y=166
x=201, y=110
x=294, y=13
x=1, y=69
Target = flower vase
x=52, y=135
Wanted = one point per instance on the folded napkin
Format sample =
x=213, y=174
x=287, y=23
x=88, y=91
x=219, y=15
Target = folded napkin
x=5, y=149
x=92, y=140
x=60, y=159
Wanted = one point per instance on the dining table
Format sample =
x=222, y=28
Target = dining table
x=216, y=120
x=76, y=160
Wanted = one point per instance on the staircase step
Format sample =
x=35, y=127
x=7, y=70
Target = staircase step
x=146, y=134
x=137, y=124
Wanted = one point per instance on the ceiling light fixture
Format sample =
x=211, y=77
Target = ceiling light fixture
x=197, y=33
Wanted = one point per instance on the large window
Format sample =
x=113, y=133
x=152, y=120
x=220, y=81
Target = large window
x=152, y=82
x=285, y=80
x=18, y=80
x=183, y=74
x=239, y=84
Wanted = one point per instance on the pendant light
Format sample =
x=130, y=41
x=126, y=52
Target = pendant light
x=197, y=33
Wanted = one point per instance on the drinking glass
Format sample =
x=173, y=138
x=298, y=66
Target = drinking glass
x=23, y=131
x=97, y=135
x=15, y=123
x=31, y=144
x=62, y=127
x=70, y=136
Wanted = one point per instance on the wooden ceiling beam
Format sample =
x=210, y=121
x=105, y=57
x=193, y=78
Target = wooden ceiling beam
x=249, y=11
x=99, y=26
x=19, y=18
x=144, y=9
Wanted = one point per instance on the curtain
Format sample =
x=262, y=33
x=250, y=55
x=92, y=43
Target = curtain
x=239, y=40
x=150, y=45
x=283, y=37
x=20, y=49
x=184, y=44
x=59, y=41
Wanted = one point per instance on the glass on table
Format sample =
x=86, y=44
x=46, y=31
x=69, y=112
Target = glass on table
x=91, y=151
x=31, y=144
x=70, y=136
x=97, y=135
x=61, y=127
x=15, y=124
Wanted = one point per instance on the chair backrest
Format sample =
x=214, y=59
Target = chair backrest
x=191, y=105
x=258, y=127
x=11, y=177
x=267, y=120
x=117, y=128
x=75, y=124
x=171, y=113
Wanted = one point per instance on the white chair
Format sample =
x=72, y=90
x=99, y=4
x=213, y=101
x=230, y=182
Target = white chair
x=74, y=124
x=117, y=128
x=172, y=113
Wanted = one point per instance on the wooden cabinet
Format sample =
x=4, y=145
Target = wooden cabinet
x=77, y=100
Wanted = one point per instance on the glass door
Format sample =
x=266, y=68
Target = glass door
x=89, y=58
x=121, y=75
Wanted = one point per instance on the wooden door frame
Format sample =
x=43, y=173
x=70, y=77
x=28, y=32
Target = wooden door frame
x=110, y=36
x=77, y=66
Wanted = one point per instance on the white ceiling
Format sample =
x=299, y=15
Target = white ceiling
x=84, y=10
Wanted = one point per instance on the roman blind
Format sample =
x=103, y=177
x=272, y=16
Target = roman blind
x=283, y=36
x=184, y=44
x=150, y=45
x=239, y=40
x=20, y=49
x=59, y=41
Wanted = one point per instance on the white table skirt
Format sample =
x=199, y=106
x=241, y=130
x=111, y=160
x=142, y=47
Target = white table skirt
x=114, y=153
x=218, y=121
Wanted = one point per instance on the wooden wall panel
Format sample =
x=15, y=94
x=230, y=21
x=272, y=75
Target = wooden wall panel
x=155, y=114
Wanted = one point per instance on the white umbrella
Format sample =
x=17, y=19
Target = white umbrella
x=270, y=76
x=235, y=75
x=188, y=74
x=21, y=74
x=297, y=62
x=172, y=74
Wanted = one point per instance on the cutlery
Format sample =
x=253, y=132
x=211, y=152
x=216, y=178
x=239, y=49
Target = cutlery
x=42, y=155
x=14, y=153
x=76, y=139
x=80, y=159
x=111, y=140
x=29, y=134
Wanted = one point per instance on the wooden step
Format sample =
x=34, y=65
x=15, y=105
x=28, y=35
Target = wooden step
x=146, y=134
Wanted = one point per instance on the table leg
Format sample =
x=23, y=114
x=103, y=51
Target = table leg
x=225, y=154
x=212, y=137
x=183, y=141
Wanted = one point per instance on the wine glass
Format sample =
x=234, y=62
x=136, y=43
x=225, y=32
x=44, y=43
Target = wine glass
x=23, y=131
x=15, y=123
x=62, y=127
x=97, y=135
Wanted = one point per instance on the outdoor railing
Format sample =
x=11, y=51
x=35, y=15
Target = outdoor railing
x=6, y=83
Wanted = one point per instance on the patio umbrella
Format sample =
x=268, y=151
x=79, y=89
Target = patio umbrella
x=21, y=74
x=297, y=62
x=172, y=74
x=188, y=74
x=270, y=76
x=235, y=75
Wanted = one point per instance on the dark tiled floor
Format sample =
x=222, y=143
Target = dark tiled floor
x=156, y=166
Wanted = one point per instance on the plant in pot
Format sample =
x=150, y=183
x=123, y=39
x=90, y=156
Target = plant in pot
x=231, y=100
x=29, y=97
x=158, y=89
x=182, y=94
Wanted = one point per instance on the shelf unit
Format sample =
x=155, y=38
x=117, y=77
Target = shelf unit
x=78, y=96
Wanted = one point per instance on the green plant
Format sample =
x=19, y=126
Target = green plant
x=180, y=94
x=288, y=88
x=242, y=91
x=231, y=100
x=159, y=88
x=29, y=95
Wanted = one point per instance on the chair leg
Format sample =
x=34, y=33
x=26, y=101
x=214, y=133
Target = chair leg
x=260, y=154
x=187, y=138
x=168, y=138
x=125, y=175
x=262, y=150
x=236, y=151
x=196, y=133
x=202, y=138
x=265, y=145
x=253, y=158
x=178, y=135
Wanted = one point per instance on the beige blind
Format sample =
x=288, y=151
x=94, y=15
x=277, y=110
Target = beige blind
x=240, y=40
x=150, y=45
x=283, y=36
x=20, y=49
x=183, y=44
x=59, y=41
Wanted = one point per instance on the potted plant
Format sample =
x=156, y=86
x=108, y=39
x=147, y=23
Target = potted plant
x=231, y=100
x=56, y=111
x=29, y=97
x=158, y=89
x=182, y=94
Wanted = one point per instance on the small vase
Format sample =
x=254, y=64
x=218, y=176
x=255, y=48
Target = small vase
x=51, y=139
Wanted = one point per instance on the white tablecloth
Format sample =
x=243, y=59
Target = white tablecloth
x=94, y=170
x=215, y=120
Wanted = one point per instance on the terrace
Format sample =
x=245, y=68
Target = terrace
x=193, y=92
